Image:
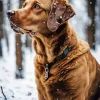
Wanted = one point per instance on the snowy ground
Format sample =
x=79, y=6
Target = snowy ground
x=17, y=89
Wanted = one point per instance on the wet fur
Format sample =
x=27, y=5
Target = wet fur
x=76, y=77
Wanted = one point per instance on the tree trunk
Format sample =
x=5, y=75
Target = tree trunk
x=91, y=27
x=19, y=56
x=1, y=24
x=19, y=69
x=0, y=49
x=28, y=42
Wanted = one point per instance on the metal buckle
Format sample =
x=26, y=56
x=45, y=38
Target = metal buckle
x=47, y=71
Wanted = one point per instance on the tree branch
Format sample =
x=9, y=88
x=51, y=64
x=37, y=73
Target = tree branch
x=3, y=93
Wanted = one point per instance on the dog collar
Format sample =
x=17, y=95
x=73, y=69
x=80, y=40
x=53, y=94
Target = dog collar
x=63, y=55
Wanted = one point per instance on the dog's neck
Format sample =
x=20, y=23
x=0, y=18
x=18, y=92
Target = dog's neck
x=49, y=47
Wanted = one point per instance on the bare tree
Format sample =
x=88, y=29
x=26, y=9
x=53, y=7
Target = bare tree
x=91, y=27
x=1, y=24
x=28, y=42
x=19, y=56
x=19, y=73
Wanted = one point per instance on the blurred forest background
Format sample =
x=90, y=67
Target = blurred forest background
x=86, y=23
x=17, y=76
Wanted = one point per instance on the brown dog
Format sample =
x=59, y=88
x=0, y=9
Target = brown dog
x=64, y=66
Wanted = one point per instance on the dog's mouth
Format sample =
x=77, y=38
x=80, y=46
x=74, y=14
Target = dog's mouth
x=20, y=30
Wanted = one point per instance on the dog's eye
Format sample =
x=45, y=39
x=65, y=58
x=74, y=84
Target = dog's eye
x=36, y=6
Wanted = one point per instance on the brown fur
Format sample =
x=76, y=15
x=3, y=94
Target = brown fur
x=75, y=77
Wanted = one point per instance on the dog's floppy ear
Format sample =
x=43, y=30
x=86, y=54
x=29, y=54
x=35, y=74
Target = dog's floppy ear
x=59, y=14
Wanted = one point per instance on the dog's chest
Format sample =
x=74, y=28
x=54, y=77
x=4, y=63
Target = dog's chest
x=61, y=81
x=59, y=87
x=64, y=80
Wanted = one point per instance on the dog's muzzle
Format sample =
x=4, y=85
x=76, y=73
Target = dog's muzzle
x=15, y=27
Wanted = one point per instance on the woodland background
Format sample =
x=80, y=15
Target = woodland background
x=16, y=54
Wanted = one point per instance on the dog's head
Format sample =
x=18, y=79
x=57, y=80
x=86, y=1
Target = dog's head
x=43, y=16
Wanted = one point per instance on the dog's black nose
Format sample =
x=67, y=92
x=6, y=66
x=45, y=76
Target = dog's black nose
x=10, y=13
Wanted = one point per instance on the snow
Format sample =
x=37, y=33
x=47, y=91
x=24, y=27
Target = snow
x=18, y=89
x=96, y=53
x=80, y=20
x=25, y=89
